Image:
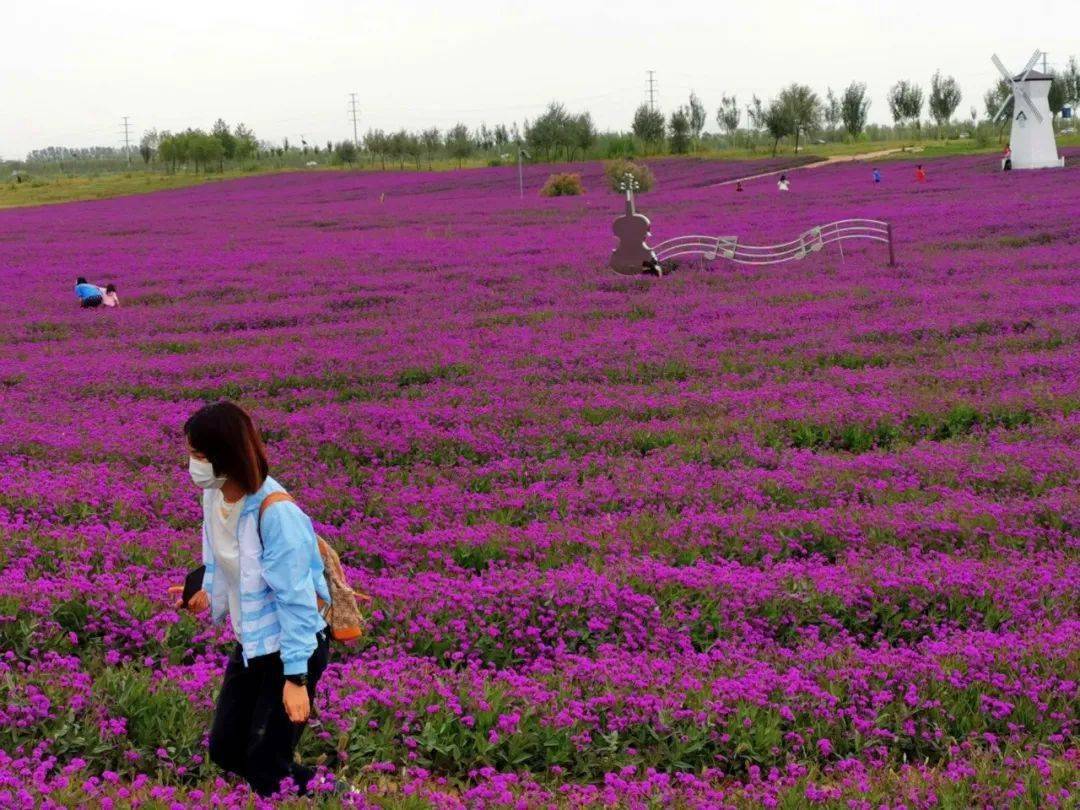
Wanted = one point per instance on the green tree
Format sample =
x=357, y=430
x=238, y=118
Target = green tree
x=396, y=148
x=246, y=143
x=648, y=125
x=803, y=110
x=1072, y=82
x=944, y=98
x=584, y=133
x=432, y=141
x=345, y=151
x=1057, y=96
x=697, y=116
x=831, y=109
x=225, y=138
x=727, y=115
x=169, y=150
x=679, y=128
x=776, y=118
x=905, y=102
x=854, y=108
x=550, y=131
x=999, y=94
x=459, y=144
x=148, y=144
x=376, y=142
x=203, y=149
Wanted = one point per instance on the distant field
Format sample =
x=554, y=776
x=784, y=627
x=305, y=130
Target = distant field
x=45, y=190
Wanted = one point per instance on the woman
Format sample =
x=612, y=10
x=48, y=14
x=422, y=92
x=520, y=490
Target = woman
x=89, y=295
x=267, y=578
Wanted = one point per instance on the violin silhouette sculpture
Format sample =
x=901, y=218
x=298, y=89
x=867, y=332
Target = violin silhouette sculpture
x=631, y=256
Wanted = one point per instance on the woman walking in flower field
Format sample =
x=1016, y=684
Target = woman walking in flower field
x=263, y=568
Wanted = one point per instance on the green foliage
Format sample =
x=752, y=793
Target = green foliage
x=417, y=375
x=648, y=126
x=802, y=110
x=557, y=130
x=728, y=115
x=562, y=184
x=905, y=101
x=615, y=172
x=854, y=108
x=158, y=713
x=458, y=143
x=679, y=129
x=944, y=98
x=345, y=151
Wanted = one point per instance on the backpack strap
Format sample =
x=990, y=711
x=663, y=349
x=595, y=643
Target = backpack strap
x=271, y=499
x=281, y=497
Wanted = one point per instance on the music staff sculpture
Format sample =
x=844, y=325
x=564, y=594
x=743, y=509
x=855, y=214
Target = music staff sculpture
x=632, y=256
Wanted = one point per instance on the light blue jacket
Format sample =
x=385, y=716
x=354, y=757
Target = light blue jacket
x=281, y=574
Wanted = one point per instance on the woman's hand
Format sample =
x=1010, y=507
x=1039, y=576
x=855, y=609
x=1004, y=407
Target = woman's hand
x=197, y=604
x=297, y=703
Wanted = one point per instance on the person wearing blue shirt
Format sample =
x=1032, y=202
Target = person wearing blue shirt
x=265, y=573
x=877, y=176
x=89, y=295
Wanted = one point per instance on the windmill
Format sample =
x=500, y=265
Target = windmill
x=1032, y=137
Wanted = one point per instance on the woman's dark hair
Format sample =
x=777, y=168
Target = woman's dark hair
x=80, y=280
x=110, y=288
x=225, y=434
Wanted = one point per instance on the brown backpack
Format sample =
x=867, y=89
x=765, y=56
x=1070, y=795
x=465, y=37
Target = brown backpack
x=343, y=612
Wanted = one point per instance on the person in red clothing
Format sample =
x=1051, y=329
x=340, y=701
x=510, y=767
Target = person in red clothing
x=920, y=174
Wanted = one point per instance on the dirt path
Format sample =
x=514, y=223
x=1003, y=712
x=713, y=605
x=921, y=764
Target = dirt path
x=824, y=162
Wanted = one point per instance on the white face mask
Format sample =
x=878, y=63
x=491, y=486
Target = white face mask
x=202, y=473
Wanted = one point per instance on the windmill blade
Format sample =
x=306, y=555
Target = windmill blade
x=1031, y=63
x=1001, y=109
x=1030, y=104
x=1001, y=67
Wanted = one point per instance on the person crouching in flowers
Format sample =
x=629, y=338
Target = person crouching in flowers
x=266, y=578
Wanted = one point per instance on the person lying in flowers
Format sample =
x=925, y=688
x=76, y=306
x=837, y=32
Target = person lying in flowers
x=267, y=578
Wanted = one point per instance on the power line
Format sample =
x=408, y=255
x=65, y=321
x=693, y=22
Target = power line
x=652, y=89
x=352, y=105
x=127, y=142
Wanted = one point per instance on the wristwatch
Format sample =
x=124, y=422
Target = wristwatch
x=297, y=680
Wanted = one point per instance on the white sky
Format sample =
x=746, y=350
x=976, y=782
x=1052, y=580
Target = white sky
x=69, y=69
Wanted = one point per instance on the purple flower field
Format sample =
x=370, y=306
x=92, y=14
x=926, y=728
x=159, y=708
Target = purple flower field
x=788, y=536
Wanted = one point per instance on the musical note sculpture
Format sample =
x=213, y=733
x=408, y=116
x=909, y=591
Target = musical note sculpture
x=634, y=256
x=631, y=256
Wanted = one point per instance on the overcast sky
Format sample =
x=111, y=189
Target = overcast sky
x=70, y=69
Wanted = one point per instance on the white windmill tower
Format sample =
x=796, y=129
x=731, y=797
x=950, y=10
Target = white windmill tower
x=1032, y=138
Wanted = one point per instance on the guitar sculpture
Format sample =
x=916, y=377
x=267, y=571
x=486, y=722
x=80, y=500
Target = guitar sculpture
x=632, y=256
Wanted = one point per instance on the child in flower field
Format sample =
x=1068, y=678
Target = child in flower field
x=920, y=174
x=109, y=297
x=877, y=175
x=265, y=572
x=782, y=184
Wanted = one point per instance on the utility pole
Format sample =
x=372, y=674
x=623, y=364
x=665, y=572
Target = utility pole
x=352, y=108
x=127, y=142
x=652, y=89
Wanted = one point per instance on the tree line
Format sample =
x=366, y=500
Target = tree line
x=796, y=113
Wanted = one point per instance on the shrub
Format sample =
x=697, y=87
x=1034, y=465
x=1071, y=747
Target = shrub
x=616, y=170
x=564, y=184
